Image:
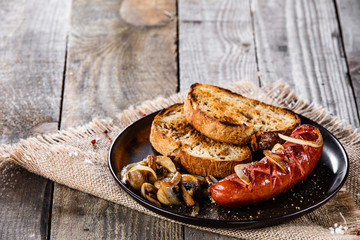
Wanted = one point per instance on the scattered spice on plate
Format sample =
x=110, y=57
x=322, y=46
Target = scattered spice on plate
x=144, y=115
x=105, y=131
x=110, y=139
x=93, y=141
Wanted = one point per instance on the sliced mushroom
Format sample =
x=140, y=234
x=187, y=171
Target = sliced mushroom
x=151, y=163
x=148, y=191
x=189, y=200
x=125, y=170
x=166, y=163
x=157, y=183
x=141, y=168
x=136, y=179
x=161, y=171
x=190, y=188
x=168, y=193
x=137, y=175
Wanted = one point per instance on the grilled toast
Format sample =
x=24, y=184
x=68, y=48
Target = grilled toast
x=172, y=135
x=229, y=117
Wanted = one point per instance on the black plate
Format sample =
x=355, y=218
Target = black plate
x=132, y=145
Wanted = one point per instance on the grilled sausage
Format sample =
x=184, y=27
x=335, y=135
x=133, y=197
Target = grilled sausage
x=267, y=179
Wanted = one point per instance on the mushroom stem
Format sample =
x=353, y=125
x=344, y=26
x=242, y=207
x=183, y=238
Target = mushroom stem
x=190, y=188
x=169, y=191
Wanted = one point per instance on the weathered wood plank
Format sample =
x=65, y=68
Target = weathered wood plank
x=349, y=12
x=112, y=64
x=194, y=234
x=77, y=215
x=215, y=42
x=24, y=204
x=300, y=44
x=32, y=47
x=215, y=46
x=32, y=50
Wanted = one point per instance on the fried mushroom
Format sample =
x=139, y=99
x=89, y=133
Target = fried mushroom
x=190, y=189
x=169, y=191
x=149, y=191
x=138, y=175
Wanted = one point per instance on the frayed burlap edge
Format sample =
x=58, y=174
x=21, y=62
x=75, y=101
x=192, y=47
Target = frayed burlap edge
x=86, y=167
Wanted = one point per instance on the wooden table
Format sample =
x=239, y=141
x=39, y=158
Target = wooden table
x=65, y=62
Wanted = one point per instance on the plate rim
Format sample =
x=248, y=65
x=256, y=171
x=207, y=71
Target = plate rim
x=253, y=223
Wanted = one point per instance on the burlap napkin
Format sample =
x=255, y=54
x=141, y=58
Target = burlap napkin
x=68, y=157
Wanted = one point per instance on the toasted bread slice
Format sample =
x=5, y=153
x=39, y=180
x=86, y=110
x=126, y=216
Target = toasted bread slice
x=229, y=117
x=172, y=135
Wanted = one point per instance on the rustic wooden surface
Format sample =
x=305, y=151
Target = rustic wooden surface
x=349, y=20
x=65, y=62
x=32, y=53
x=108, y=62
x=302, y=45
x=215, y=42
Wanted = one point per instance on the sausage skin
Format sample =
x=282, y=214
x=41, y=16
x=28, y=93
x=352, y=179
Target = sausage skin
x=267, y=180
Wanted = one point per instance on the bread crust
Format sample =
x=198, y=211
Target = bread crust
x=162, y=143
x=159, y=140
x=206, y=166
x=225, y=131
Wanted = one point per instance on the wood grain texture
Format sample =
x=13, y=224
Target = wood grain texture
x=215, y=42
x=148, y=12
x=302, y=46
x=194, y=234
x=77, y=215
x=349, y=12
x=111, y=65
x=24, y=204
x=32, y=50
